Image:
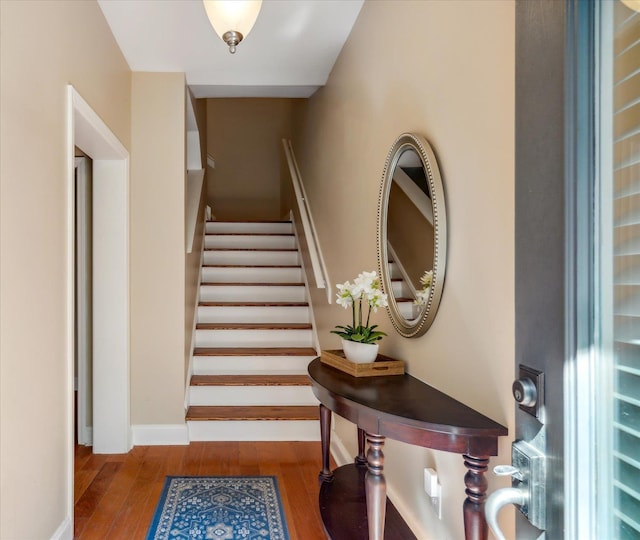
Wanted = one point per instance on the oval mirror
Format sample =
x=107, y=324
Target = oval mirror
x=412, y=234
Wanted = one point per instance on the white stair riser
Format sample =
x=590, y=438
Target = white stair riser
x=400, y=289
x=223, y=227
x=245, y=365
x=254, y=338
x=255, y=314
x=409, y=310
x=249, y=241
x=254, y=430
x=252, y=275
x=257, y=258
x=394, y=271
x=251, y=395
x=255, y=293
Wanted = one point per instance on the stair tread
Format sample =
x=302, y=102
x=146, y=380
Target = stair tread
x=251, y=249
x=249, y=221
x=245, y=284
x=250, y=380
x=251, y=266
x=255, y=351
x=254, y=304
x=297, y=412
x=253, y=326
x=248, y=234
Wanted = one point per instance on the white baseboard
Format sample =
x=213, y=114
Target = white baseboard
x=64, y=531
x=342, y=457
x=160, y=434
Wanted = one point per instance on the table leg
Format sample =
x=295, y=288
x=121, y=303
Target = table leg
x=325, y=437
x=361, y=459
x=375, y=487
x=475, y=525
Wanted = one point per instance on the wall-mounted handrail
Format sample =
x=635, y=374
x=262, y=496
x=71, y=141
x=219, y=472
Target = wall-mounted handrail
x=318, y=266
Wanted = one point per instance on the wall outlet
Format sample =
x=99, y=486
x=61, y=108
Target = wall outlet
x=434, y=490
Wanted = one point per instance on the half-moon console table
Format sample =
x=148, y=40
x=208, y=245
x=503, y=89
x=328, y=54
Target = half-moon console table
x=405, y=409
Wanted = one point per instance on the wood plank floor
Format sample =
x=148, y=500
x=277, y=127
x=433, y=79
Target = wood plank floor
x=116, y=495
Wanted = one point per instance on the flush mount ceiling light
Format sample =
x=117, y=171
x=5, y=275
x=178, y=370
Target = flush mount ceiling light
x=232, y=19
x=632, y=4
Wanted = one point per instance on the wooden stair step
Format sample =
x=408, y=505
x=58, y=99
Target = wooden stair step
x=222, y=284
x=248, y=234
x=251, y=249
x=249, y=221
x=254, y=304
x=250, y=380
x=251, y=266
x=297, y=412
x=253, y=326
x=255, y=351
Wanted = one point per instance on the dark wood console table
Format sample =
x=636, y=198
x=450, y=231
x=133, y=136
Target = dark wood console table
x=402, y=408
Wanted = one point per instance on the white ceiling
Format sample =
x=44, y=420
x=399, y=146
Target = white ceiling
x=289, y=52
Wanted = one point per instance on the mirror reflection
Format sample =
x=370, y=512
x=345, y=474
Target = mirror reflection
x=412, y=234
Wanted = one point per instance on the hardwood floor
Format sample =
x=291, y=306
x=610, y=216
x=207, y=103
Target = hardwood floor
x=116, y=495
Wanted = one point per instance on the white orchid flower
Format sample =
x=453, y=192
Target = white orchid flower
x=344, y=297
x=427, y=279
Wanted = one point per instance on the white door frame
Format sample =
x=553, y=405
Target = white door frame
x=111, y=416
x=83, y=299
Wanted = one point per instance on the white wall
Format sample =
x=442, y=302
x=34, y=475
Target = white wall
x=449, y=77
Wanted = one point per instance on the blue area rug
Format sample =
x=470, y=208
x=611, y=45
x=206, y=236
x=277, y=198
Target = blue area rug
x=219, y=508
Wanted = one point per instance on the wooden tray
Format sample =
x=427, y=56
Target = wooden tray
x=382, y=366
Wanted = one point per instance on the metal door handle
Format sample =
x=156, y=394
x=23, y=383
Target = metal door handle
x=500, y=498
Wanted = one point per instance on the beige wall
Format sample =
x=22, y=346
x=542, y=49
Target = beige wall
x=244, y=138
x=43, y=47
x=193, y=259
x=451, y=79
x=157, y=248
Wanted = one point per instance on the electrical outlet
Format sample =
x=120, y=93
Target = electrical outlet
x=434, y=490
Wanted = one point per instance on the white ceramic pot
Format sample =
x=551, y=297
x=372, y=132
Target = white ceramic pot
x=360, y=353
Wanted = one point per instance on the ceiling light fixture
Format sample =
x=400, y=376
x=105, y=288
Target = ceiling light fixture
x=232, y=19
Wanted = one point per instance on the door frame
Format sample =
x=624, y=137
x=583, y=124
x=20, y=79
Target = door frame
x=111, y=350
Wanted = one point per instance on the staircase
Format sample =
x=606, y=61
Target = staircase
x=254, y=338
x=402, y=293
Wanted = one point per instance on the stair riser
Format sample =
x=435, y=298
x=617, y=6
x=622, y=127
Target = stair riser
x=257, y=293
x=254, y=338
x=253, y=314
x=230, y=365
x=252, y=275
x=400, y=289
x=408, y=310
x=256, y=258
x=248, y=228
x=254, y=430
x=251, y=395
x=214, y=241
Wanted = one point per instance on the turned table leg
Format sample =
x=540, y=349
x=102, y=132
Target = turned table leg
x=325, y=437
x=361, y=459
x=375, y=487
x=475, y=525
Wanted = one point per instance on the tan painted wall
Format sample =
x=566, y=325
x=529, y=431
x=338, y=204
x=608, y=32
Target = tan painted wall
x=157, y=248
x=193, y=259
x=452, y=81
x=34, y=388
x=244, y=137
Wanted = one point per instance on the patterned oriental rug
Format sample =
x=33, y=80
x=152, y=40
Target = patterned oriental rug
x=219, y=508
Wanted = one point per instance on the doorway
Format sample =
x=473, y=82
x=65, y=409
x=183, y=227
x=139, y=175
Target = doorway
x=83, y=366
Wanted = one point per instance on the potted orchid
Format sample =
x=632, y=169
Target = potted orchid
x=359, y=339
x=423, y=294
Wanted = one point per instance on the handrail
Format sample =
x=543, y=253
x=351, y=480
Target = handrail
x=318, y=265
